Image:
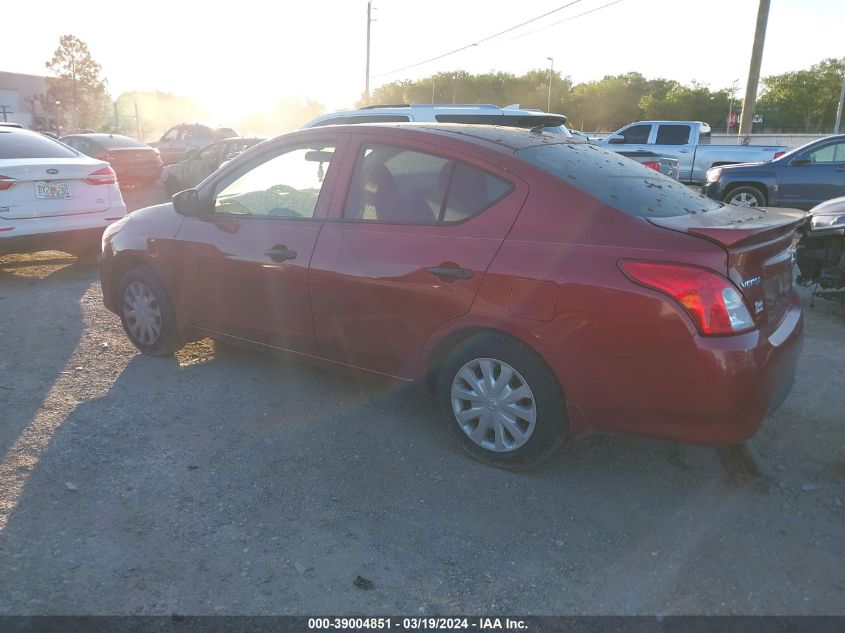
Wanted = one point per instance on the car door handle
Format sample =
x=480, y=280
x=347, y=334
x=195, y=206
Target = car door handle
x=280, y=253
x=459, y=273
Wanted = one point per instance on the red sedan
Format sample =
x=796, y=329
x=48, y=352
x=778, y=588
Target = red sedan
x=540, y=287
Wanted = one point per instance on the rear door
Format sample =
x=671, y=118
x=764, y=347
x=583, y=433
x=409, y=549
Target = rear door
x=675, y=140
x=42, y=178
x=813, y=176
x=411, y=243
x=246, y=261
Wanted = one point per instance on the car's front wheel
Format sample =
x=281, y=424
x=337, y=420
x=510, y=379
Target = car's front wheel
x=745, y=197
x=502, y=402
x=147, y=314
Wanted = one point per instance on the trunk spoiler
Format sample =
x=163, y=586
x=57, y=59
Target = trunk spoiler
x=733, y=226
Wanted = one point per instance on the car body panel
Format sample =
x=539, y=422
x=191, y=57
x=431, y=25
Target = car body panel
x=786, y=181
x=546, y=264
x=691, y=146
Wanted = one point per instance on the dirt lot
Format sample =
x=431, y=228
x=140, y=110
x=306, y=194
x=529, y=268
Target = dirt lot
x=223, y=481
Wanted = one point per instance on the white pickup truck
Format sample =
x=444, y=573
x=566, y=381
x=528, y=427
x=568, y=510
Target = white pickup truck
x=689, y=142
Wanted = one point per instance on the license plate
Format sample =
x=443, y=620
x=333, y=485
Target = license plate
x=50, y=190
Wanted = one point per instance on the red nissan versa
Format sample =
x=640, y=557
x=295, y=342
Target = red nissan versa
x=541, y=287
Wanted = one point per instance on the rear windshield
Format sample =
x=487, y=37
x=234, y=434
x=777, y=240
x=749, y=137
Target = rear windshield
x=31, y=145
x=117, y=141
x=616, y=180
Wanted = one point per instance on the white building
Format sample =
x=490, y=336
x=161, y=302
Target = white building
x=23, y=100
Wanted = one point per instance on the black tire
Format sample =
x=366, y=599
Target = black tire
x=551, y=427
x=168, y=339
x=172, y=186
x=748, y=191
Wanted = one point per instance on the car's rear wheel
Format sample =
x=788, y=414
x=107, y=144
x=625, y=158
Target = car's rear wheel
x=502, y=402
x=745, y=197
x=147, y=314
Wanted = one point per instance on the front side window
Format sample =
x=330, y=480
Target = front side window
x=285, y=185
x=171, y=135
x=672, y=135
x=833, y=153
x=211, y=153
x=396, y=185
x=636, y=134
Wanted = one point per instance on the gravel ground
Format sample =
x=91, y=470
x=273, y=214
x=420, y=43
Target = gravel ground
x=226, y=481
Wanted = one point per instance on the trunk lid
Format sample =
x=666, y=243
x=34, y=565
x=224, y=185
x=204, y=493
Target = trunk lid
x=759, y=244
x=49, y=187
x=133, y=157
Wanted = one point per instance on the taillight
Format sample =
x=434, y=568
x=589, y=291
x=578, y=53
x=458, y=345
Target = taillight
x=7, y=183
x=779, y=154
x=652, y=165
x=712, y=301
x=104, y=176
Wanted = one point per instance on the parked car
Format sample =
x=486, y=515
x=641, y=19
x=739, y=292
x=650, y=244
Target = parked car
x=52, y=197
x=539, y=286
x=664, y=164
x=193, y=170
x=801, y=178
x=135, y=163
x=821, y=250
x=181, y=140
x=470, y=113
x=689, y=142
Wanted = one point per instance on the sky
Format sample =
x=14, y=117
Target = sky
x=242, y=57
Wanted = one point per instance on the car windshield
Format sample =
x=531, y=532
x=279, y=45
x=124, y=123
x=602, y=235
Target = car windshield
x=617, y=181
x=30, y=145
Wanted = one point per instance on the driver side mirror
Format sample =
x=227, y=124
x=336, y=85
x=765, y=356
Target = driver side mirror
x=801, y=161
x=187, y=203
x=616, y=140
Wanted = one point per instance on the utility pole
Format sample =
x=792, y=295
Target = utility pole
x=750, y=100
x=839, y=109
x=367, y=81
x=4, y=110
x=551, y=72
x=137, y=123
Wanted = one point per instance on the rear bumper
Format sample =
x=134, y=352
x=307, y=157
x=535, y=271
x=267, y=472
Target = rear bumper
x=715, y=391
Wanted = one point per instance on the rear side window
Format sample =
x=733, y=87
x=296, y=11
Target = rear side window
x=395, y=185
x=31, y=145
x=617, y=181
x=672, y=135
x=368, y=118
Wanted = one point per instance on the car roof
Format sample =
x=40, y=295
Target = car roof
x=500, y=137
x=419, y=109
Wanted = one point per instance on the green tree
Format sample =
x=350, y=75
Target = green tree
x=689, y=103
x=77, y=85
x=803, y=99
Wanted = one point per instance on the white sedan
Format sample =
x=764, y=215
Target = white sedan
x=52, y=197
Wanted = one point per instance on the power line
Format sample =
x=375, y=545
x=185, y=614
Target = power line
x=547, y=26
x=489, y=37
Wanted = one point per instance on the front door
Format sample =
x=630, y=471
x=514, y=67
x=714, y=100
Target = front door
x=407, y=252
x=813, y=177
x=247, y=259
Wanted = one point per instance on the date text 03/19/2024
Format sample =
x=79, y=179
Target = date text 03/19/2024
x=417, y=623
